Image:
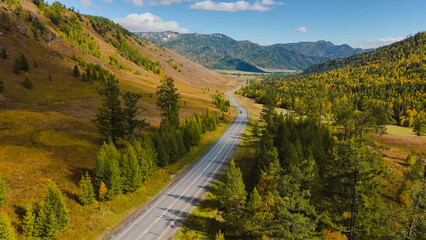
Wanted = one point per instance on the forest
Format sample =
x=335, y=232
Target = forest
x=319, y=173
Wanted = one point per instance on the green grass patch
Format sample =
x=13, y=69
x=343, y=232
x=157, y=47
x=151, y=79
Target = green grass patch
x=399, y=131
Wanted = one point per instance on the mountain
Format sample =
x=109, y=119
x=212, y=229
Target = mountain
x=210, y=50
x=322, y=49
x=46, y=128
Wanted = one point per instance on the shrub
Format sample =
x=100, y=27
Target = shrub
x=28, y=82
x=4, y=54
x=1, y=84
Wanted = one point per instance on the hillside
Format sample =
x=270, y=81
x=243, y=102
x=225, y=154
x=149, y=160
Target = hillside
x=392, y=77
x=210, y=50
x=322, y=48
x=47, y=131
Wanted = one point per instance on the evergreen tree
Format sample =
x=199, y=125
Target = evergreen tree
x=28, y=82
x=109, y=120
x=420, y=124
x=255, y=215
x=24, y=63
x=268, y=110
x=1, y=84
x=132, y=125
x=50, y=77
x=17, y=66
x=107, y=170
x=87, y=193
x=232, y=196
x=255, y=130
x=4, y=54
x=6, y=229
x=2, y=192
x=146, y=155
x=219, y=236
x=75, y=71
x=130, y=170
x=28, y=223
x=168, y=101
x=53, y=216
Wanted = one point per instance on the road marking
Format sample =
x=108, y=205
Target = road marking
x=188, y=174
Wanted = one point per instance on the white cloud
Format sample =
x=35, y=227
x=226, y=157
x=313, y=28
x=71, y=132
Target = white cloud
x=146, y=22
x=137, y=3
x=86, y=3
x=242, y=5
x=302, y=29
x=382, y=42
x=166, y=2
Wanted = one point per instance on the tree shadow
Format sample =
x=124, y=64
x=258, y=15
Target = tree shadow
x=76, y=173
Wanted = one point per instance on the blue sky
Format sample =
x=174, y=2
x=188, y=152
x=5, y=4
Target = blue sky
x=359, y=23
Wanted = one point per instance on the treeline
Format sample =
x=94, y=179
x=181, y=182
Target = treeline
x=220, y=102
x=129, y=52
x=394, y=81
x=312, y=184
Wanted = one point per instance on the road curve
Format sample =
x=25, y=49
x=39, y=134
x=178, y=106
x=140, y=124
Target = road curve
x=174, y=203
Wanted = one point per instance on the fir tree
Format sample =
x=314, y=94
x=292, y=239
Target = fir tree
x=109, y=120
x=2, y=192
x=232, y=196
x=53, y=216
x=219, y=236
x=76, y=72
x=28, y=223
x=168, y=102
x=130, y=170
x=146, y=155
x=87, y=194
x=4, y=54
x=28, y=82
x=255, y=215
x=132, y=125
x=107, y=170
x=6, y=229
x=17, y=66
x=255, y=130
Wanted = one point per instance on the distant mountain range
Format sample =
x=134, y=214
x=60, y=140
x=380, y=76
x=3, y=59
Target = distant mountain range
x=218, y=51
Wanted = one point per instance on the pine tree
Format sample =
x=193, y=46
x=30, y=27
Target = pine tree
x=4, y=54
x=255, y=215
x=28, y=223
x=75, y=71
x=146, y=155
x=219, y=236
x=17, y=66
x=28, y=82
x=6, y=229
x=109, y=120
x=87, y=193
x=255, y=130
x=2, y=192
x=232, y=196
x=168, y=102
x=130, y=170
x=53, y=216
x=50, y=77
x=132, y=125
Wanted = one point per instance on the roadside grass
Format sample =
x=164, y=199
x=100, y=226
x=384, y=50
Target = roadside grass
x=204, y=222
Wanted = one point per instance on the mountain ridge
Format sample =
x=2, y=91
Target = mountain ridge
x=210, y=49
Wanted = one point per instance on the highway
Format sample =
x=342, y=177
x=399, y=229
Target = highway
x=175, y=202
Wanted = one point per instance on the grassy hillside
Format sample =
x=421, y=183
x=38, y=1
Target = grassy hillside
x=47, y=132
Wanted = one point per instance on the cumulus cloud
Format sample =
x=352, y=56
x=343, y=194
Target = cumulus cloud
x=242, y=5
x=302, y=29
x=382, y=41
x=86, y=3
x=147, y=22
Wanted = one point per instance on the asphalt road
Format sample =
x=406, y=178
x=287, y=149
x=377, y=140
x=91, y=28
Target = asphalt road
x=174, y=203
